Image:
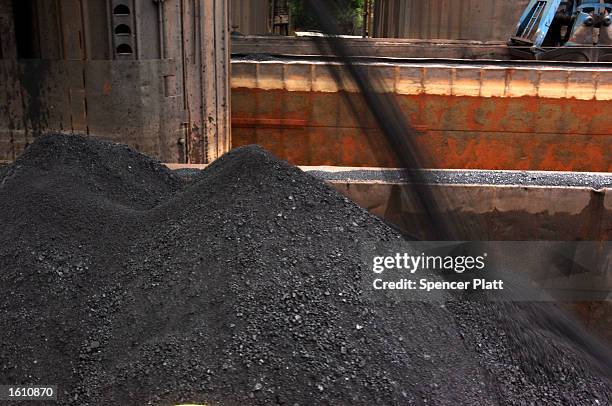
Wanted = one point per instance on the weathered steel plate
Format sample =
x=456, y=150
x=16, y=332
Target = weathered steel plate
x=478, y=116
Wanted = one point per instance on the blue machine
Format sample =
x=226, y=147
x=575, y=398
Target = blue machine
x=571, y=30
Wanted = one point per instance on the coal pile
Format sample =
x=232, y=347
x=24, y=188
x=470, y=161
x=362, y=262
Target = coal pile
x=124, y=284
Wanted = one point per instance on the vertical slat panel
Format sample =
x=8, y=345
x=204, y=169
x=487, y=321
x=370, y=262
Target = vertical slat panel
x=216, y=92
x=71, y=29
x=249, y=17
x=206, y=64
x=192, y=84
x=412, y=11
x=444, y=19
x=8, y=48
x=401, y=15
x=492, y=20
x=96, y=30
x=455, y=22
x=13, y=133
x=72, y=89
x=51, y=44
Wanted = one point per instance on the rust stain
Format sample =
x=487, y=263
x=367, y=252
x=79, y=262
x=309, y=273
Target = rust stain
x=107, y=88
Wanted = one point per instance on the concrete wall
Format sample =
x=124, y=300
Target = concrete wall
x=509, y=213
x=492, y=212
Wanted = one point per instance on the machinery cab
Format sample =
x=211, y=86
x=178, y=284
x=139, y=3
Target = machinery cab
x=571, y=30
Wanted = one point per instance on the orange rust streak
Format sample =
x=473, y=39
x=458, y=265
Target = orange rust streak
x=267, y=122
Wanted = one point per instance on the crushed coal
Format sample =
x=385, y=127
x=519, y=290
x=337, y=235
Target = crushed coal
x=124, y=284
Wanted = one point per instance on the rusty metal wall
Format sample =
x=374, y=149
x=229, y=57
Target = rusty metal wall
x=250, y=17
x=168, y=98
x=490, y=20
x=467, y=116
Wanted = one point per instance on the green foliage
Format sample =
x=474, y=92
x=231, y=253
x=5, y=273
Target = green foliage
x=347, y=13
